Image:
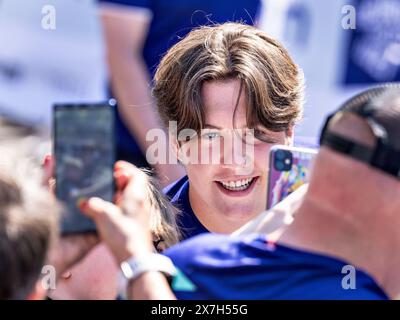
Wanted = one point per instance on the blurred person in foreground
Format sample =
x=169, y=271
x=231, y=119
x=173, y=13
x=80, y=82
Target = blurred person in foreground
x=342, y=244
x=30, y=245
x=32, y=253
x=28, y=219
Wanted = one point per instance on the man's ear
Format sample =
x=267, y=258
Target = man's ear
x=38, y=292
x=289, y=136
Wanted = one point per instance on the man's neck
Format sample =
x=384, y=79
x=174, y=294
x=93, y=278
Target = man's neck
x=324, y=227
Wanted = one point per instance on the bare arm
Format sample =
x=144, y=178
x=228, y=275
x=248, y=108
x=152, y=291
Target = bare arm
x=125, y=31
x=150, y=286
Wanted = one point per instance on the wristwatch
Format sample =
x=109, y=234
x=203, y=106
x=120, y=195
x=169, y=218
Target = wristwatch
x=136, y=266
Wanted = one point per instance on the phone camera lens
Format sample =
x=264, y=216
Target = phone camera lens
x=279, y=165
x=283, y=160
x=280, y=155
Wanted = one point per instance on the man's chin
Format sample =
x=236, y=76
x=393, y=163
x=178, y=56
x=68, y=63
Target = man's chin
x=240, y=212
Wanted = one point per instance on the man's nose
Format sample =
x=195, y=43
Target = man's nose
x=234, y=150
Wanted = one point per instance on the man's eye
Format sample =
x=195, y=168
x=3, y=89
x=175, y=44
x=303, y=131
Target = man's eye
x=210, y=135
x=258, y=132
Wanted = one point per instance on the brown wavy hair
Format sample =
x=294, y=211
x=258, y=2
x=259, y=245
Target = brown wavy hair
x=273, y=83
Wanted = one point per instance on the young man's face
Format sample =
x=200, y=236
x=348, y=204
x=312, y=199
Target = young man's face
x=226, y=195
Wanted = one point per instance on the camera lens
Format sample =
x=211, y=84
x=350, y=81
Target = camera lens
x=279, y=165
x=283, y=160
x=280, y=154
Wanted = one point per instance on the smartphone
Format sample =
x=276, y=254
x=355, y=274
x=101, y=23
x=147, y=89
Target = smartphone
x=84, y=150
x=289, y=168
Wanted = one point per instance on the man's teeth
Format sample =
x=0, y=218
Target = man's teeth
x=238, y=185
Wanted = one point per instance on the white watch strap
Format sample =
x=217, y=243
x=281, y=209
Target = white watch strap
x=135, y=266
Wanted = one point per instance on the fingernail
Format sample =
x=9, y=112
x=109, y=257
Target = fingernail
x=119, y=165
x=82, y=203
x=46, y=160
x=122, y=180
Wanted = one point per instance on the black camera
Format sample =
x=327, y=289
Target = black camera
x=283, y=160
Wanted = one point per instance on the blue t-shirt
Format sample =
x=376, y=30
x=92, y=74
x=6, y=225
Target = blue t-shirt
x=172, y=20
x=221, y=267
x=178, y=193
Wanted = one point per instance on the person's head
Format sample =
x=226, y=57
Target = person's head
x=218, y=79
x=358, y=165
x=28, y=225
x=23, y=140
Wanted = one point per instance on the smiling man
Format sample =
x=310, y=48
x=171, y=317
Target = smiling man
x=240, y=91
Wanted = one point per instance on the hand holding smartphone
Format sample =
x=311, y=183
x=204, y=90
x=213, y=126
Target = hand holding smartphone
x=84, y=156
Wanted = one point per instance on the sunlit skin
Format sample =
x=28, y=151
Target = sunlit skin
x=92, y=279
x=218, y=209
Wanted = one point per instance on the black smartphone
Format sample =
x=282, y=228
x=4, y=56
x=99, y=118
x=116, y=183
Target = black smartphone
x=84, y=150
x=289, y=168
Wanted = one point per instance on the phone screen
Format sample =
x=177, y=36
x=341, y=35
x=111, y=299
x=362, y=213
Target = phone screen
x=84, y=158
x=289, y=169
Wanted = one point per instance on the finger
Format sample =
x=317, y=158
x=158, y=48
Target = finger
x=96, y=208
x=121, y=179
x=127, y=168
x=123, y=165
x=127, y=174
x=46, y=160
x=118, y=198
x=137, y=187
x=48, y=165
x=52, y=185
x=48, y=168
x=123, y=173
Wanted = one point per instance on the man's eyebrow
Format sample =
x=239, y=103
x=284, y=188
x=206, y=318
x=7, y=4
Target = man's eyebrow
x=212, y=126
